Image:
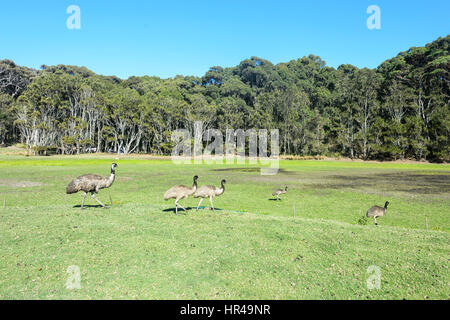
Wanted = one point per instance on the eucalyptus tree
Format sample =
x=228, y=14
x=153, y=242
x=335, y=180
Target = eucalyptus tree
x=365, y=87
x=125, y=117
x=14, y=79
x=6, y=119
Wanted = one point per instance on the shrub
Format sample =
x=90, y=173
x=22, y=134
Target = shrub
x=362, y=221
x=20, y=145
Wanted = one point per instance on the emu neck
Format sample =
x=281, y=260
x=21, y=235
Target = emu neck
x=111, y=179
x=220, y=191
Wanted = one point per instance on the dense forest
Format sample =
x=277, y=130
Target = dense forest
x=399, y=110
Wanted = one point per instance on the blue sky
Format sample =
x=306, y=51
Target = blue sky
x=166, y=38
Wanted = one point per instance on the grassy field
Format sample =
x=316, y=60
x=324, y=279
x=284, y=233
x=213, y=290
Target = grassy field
x=250, y=248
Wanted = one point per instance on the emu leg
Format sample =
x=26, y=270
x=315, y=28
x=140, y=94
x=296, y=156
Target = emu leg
x=210, y=200
x=201, y=199
x=95, y=198
x=182, y=207
x=178, y=205
x=82, y=201
x=375, y=218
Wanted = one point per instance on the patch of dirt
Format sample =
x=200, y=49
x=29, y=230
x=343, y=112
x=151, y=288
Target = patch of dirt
x=280, y=170
x=414, y=183
x=19, y=184
x=403, y=161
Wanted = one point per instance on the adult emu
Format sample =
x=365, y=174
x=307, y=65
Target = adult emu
x=210, y=192
x=180, y=192
x=91, y=183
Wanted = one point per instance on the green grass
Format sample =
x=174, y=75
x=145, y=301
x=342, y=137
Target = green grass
x=252, y=248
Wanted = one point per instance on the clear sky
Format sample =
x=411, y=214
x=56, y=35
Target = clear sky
x=166, y=38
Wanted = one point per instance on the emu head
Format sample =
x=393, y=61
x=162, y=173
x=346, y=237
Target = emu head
x=195, y=182
x=113, y=167
x=223, y=182
x=285, y=188
x=386, y=204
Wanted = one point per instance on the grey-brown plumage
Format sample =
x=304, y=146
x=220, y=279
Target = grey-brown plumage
x=180, y=192
x=277, y=192
x=91, y=183
x=210, y=192
x=377, y=211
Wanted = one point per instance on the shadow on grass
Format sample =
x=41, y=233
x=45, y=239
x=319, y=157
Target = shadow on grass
x=86, y=206
x=209, y=208
x=190, y=208
x=173, y=210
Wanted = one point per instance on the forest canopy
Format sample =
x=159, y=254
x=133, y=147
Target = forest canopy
x=399, y=110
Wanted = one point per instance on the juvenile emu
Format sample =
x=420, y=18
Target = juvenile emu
x=377, y=211
x=91, y=183
x=209, y=192
x=277, y=192
x=180, y=192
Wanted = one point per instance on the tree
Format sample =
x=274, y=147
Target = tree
x=398, y=110
x=6, y=120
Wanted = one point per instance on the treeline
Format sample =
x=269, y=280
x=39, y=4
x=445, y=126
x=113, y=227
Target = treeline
x=396, y=111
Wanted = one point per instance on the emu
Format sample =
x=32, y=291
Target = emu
x=91, y=183
x=377, y=211
x=277, y=192
x=209, y=192
x=180, y=192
